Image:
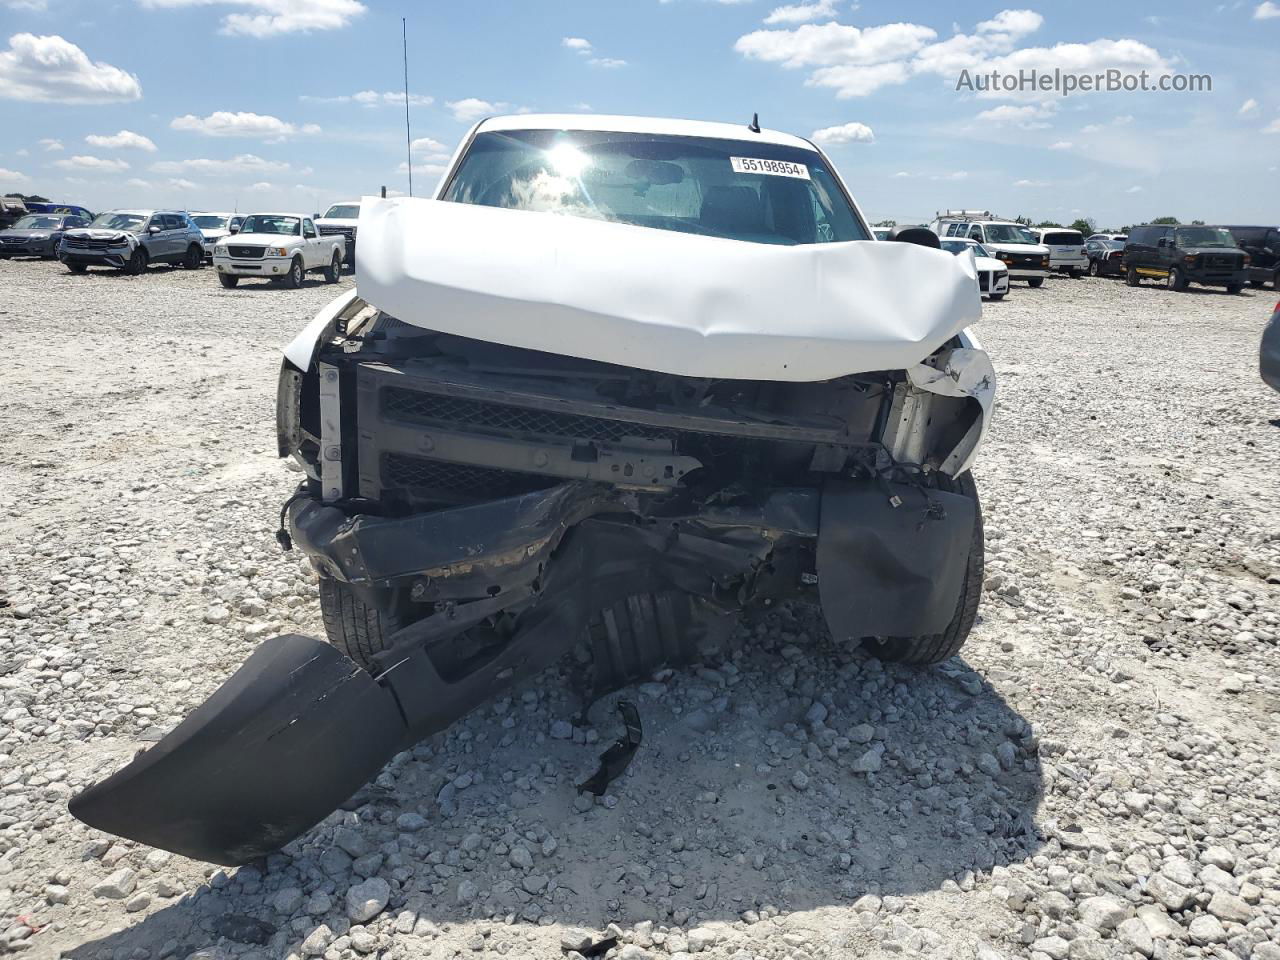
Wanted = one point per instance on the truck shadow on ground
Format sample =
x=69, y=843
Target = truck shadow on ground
x=784, y=773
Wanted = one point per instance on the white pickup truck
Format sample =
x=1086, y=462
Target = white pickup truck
x=342, y=218
x=280, y=247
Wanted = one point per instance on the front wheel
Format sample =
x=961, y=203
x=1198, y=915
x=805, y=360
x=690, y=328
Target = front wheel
x=333, y=272
x=77, y=267
x=1234, y=288
x=1177, y=280
x=997, y=296
x=227, y=280
x=194, y=259
x=935, y=648
x=1094, y=269
x=1073, y=273
x=293, y=279
x=1035, y=282
x=1131, y=277
x=137, y=263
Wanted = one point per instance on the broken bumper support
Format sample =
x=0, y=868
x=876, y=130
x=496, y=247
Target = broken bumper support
x=300, y=727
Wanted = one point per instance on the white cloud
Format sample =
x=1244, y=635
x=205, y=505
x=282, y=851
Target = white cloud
x=242, y=164
x=426, y=143
x=953, y=175
x=53, y=70
x=1134, y=190
x=472, y=108
x=12, y=176
x=50, y=144
x=1028, y=117
x=272, y=17
x=180, y=184
x=1248, y=108
x=1272, y=127
x=372, y=98
x=261, y=186
x=802, y=12
x=1266, y=11
x=1120, y=121
x=834, y=44
x=857, y=61
x=901, y=174
x=138, y=182
x=31, y=6
x=1061, y=145
x=1032, y=183
x=434, y=169
x=98, y=164
x=222, y=123
x=1014, y=23
x=580, y=44
x=121, y=140
x=608, y=63
x=845, y=133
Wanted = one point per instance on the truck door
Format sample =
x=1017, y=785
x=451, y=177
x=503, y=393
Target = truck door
x=310, y=245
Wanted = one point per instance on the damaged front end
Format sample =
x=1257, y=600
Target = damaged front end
x=483, y=508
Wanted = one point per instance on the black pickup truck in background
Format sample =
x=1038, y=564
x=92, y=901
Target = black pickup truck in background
x=1262, y=244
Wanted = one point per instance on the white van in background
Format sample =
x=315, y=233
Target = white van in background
x=1067, y=253
x=1015, y=244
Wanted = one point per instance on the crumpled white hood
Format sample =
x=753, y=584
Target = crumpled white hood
x=658, y=300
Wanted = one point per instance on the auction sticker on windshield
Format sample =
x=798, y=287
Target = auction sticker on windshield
x=778, y=168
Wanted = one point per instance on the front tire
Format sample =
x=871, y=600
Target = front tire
x=1177, y=280
x=1234, y=288
x=935, y=648
x=137, y=263
x=357, y=629
x=1131, y=277
x=333, y=272
x=1094, y=269
x=194, y=259
x=997, y=296
x=1035, y=282
x=293, y=279
x=77, y=267
x=228, y=281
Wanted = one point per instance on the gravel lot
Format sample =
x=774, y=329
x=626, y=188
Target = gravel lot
x=1098, y=777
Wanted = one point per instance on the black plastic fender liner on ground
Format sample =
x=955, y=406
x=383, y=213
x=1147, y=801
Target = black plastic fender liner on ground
x=886, y=571
x=293, y=733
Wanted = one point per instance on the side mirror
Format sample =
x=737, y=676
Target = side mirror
x=923, y=236
x=153, y=229
x=234, y=228
x=315, y=216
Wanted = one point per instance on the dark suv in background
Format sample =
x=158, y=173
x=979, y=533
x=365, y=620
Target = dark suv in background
x=1262, y=244
x=1181, y=255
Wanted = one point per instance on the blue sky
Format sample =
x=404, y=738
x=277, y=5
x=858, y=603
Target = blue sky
x=214, y=104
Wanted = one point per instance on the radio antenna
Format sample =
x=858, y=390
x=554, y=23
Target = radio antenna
x=408, y=140
x=754, y=125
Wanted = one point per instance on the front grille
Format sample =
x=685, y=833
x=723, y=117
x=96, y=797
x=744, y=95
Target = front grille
x=84, y=243
x=984, y=281
x=1221, y=260
x=440, y=410
x=13, y=239
x=1027, y=260
x=246, y=253
x=348, y=232
x=438, y=480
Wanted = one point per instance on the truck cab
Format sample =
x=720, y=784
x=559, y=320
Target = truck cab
x=341, y=219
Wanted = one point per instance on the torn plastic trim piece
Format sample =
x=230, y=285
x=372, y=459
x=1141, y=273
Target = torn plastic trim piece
x=615, y=760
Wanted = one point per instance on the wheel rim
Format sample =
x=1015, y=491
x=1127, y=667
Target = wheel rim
x=1173, y=279
x=297, y=274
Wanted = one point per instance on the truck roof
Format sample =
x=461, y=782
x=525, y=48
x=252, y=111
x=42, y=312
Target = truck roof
x=620, y=124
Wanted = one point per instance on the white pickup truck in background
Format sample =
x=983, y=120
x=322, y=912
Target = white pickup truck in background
x=281, y=247
x=342, y=218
